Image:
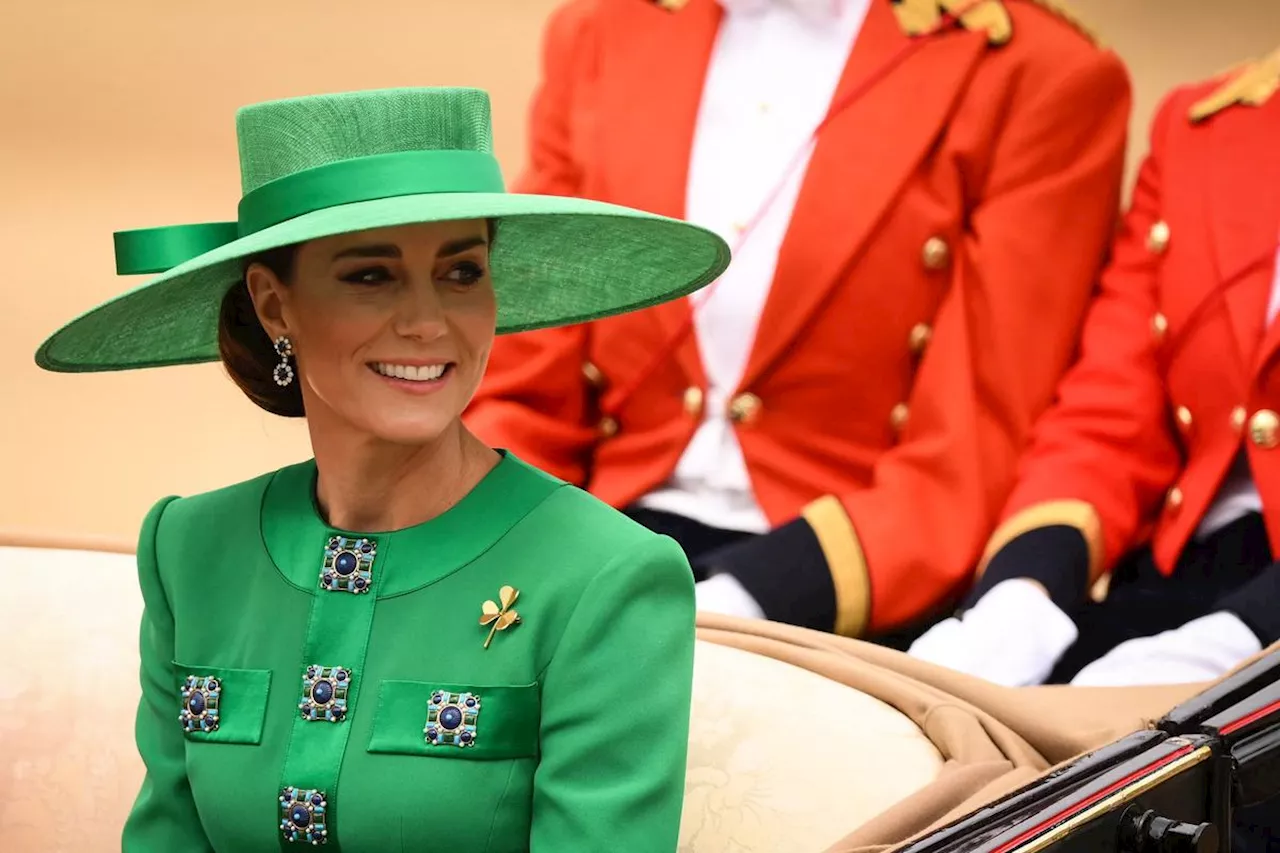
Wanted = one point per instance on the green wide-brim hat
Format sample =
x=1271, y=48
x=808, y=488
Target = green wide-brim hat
x=332, y=164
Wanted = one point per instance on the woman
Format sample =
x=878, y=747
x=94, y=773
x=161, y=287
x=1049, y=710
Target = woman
x=411, y=642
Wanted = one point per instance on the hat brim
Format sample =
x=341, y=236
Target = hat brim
x=556, y=261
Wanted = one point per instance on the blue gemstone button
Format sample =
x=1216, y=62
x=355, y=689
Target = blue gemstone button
x=196, y=703
x=348, y=564
x=322, y=693
x=450, y=718
x=345, y=563
x=304, y=816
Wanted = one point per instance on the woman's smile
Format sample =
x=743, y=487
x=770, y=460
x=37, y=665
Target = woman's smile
x=412, y=377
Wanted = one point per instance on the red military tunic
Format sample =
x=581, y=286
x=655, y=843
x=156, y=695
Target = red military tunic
x=1179, y=371
x=927, y=296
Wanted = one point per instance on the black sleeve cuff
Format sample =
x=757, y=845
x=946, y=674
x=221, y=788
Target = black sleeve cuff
x=1255, y=604
x=1056, y=556
x=786, y=573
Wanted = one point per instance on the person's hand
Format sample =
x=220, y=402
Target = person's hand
x=723, y=594
x=1204, y=649
x=1013, y=636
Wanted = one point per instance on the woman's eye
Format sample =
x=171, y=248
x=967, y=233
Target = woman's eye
x=368, y=275
x=466, y=272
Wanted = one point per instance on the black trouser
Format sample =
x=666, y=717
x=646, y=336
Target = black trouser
x=1141, y=602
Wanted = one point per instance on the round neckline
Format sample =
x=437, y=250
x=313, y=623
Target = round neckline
x=313, y=501
x=295, y=533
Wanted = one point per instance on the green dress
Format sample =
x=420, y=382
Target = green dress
x=302, y=682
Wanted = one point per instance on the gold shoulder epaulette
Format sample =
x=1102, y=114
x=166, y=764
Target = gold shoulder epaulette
x=1066, y=13
x=920, y=16
x=1253, y=84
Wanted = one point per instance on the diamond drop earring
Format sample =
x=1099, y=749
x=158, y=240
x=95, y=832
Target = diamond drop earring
x=283, y=374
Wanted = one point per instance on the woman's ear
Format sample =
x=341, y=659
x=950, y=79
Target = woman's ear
x=267, y=292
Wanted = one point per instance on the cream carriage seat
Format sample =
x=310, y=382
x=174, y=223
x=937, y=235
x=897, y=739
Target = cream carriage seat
x=68, y=695
x=784, y=759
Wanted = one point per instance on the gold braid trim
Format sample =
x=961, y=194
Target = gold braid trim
x=918, y=16
x=990, y=16
x=1078, y=514
x=845, y=561
x=1252, y=84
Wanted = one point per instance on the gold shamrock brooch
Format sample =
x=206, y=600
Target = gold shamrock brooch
x=500, y=618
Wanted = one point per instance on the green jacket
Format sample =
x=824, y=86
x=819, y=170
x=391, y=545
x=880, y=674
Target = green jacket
x=567, y=734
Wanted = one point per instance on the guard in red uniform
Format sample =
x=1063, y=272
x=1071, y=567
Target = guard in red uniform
x=832, y=431
x=1159, y=466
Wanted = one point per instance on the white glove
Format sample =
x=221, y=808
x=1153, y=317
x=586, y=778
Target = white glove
x=723, y=594
x=1204, y=649
x=1013, y=636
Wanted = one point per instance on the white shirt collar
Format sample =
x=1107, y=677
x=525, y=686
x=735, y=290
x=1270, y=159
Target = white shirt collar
x=814, y=10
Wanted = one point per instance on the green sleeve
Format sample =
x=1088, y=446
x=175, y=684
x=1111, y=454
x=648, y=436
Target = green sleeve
x=164, y=816
x=615, y=710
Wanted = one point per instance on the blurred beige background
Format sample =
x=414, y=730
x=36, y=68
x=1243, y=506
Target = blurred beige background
x=119, y=115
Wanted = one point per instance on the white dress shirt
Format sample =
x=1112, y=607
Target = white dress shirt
x=1238, y=495
x=773, y=71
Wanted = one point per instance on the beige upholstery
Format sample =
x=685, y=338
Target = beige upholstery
x=68, y=694
x=781, y=759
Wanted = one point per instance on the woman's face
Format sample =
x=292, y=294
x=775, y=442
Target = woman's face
x=391, y=328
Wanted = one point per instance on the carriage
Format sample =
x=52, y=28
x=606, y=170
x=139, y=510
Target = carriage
x=799, y=741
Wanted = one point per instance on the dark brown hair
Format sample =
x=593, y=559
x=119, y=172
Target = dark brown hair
x=247, y=350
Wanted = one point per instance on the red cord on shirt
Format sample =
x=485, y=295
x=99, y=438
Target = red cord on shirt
x=613, y=402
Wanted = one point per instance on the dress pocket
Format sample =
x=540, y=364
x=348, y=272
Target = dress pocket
x=221, y=705
x=460, y=721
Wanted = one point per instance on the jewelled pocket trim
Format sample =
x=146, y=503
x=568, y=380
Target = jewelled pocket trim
x=348, y=564
x=502, y=724
x=221, y=705
x=200, y=697
x=452, y=719
x=304, y=816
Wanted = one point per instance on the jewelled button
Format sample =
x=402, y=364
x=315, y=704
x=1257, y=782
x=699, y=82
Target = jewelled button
x=324, y=693
x=304, y=815
x=201, y=696
x=452, y=719
x=348, y=564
